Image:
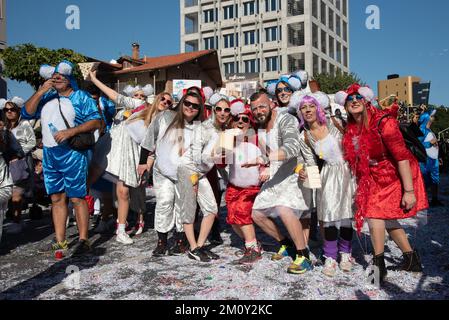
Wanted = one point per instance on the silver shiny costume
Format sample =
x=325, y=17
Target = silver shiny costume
x=169, y=152
x=198, y=161
x=335, y=198
x=282, y=190
x=26, y=140
x=5, y=190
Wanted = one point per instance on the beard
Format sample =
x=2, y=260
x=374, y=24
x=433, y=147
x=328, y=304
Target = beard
x=264, y=119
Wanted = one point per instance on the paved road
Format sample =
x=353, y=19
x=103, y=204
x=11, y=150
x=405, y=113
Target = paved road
x=130, y=272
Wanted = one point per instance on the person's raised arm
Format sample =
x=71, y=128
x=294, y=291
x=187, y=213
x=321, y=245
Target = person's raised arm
x=112, y=94
x=32, y=104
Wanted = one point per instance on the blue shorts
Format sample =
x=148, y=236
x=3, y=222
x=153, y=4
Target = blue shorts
x=65, y=170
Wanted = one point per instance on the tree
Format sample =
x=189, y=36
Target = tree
x=22, y=62
x=331, y=84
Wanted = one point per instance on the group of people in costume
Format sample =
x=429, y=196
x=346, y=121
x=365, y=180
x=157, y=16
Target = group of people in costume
x=261, y=146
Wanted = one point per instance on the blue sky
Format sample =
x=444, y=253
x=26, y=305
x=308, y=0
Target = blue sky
x=413, y=38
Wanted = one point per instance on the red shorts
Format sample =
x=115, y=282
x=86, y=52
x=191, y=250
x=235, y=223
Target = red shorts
x=240, y=204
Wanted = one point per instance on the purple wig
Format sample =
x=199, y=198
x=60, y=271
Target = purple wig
x=320, y=115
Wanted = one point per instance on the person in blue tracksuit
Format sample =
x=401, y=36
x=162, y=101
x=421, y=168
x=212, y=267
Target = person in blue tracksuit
x=65, y=169
x=430, y=169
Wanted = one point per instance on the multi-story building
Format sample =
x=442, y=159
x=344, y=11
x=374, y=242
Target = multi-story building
x=2, y=44
x=408, y=89
x=268, y=38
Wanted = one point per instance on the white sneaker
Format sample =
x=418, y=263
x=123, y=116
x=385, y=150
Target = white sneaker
x=124, y=238
x=14, y=228
x=102, y=227
x=346, y=262
x=330, y=267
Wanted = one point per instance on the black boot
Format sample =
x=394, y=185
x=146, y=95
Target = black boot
x=411, y=262
x=161, y=249
x=179, y=247
x=379, y=263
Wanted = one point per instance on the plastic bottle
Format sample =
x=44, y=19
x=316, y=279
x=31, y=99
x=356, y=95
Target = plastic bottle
x=53, y=129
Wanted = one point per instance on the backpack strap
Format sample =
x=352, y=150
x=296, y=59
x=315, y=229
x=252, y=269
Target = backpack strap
x=338, y=125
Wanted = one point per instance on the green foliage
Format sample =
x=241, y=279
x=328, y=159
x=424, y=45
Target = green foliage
x=441, y=120
x=331, y=84
x=22, y=62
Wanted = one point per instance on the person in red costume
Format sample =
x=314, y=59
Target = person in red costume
x=390, y=186
x=244, y=183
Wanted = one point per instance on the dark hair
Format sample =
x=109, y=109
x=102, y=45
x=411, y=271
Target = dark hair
x=256, y=96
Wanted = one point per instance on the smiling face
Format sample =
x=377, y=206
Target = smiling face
x=222, y=112
x=309, y=113
x=261, y=109
x=61, y=83
x=165, y=102
x=242, y=122
x=355, y=105
x=283, y=93
x=191, y=108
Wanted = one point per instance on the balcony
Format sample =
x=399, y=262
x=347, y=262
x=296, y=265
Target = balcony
x=295, y=7
x=190, y=3
x=296, y=34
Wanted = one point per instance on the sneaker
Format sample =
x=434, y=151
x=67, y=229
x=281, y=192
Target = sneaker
x=209, y=253
x=284, y=252
x=139, y=228
x=198, y=255
x=161, y=249
x=102, y=227
x=346, y=262
x=15, y=228
x=124, y=238
x=54, y=246
x=178, y=249
x=300, y=265
x=330, y=267
x=128, y=230
x=82, y=247
x=250, y=256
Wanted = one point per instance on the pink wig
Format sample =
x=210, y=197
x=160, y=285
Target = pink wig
x=320, y=115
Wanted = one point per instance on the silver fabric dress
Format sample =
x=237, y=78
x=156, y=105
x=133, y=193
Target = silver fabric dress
x=282, y=190
x=26, y=140
x=335, y=198
x=6, y=185
x=158, y=141
x=198, y=161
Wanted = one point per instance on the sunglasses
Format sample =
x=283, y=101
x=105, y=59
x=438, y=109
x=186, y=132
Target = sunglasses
x=10, y=110
x=357, y=97
x=220, y=109
x=169, y=102
x=194, y=106
x=244, y=119
x=286, y=89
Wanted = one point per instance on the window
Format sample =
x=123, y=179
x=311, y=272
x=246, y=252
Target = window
x=315, y=36
x=331, y=47
x=231, y=67
x=228, y=12
x=323, y=42
x=315, y=9
x=230, y=40
x=209, y=16
x=323, y=12
x=250, y=37
x=338, y=4
x=323, y=66
x=331, y=19
x=211, y=43
x=272, y=64
x=315, y=65
x=339, y=58
x=249, y=8
x=345, y=31
x=338, y=26
x=346, y=58
x=252, y=66
x=345, y=7
x=272, y=5
x=271, y=34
